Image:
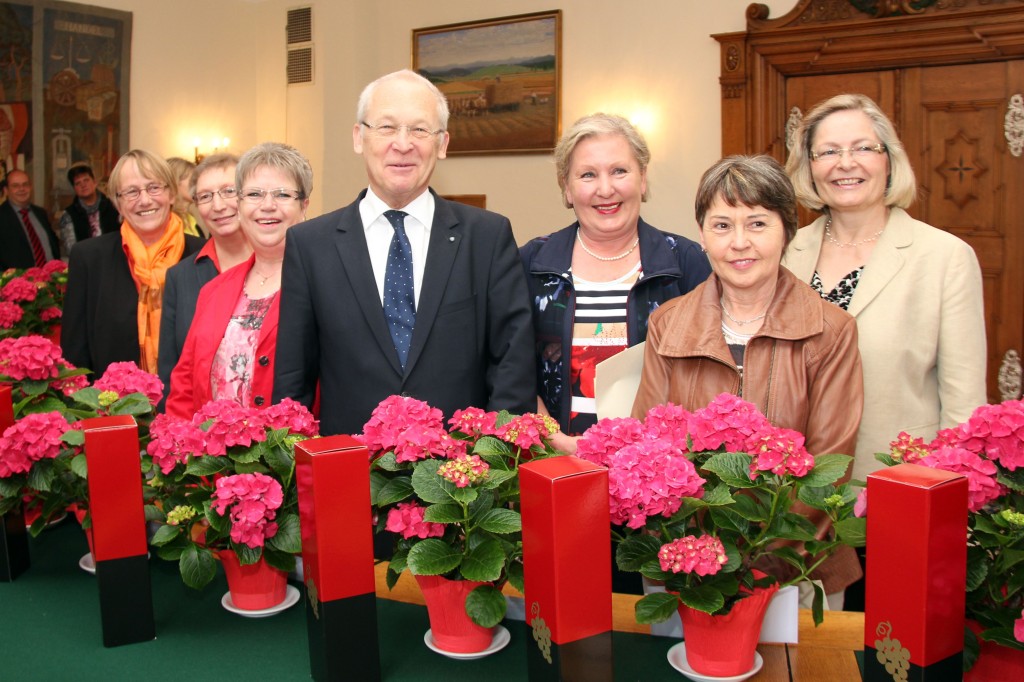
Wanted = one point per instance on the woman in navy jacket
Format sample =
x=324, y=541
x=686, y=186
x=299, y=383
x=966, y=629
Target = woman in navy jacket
x=594, y=283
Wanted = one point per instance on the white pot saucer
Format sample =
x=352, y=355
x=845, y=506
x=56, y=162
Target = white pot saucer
x=498, y=642
x=87, y=563
x=677, y=657
x=291, y=598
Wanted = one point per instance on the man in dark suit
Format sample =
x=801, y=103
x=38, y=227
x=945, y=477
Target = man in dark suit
x=458, y=328
x=91, y=213
x=26, y=236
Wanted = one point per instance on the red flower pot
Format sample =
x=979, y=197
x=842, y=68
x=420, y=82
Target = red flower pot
x=724, y=645
x=450, y=627
x=253, y=587
x=996, y=663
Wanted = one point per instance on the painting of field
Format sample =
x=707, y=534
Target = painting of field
x=501, y=78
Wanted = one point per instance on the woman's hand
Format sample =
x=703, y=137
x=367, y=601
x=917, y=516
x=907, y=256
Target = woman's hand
x=564, y=443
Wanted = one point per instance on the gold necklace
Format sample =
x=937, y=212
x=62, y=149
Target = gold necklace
x=263, y=278
x=606, y=259
x=849, y=245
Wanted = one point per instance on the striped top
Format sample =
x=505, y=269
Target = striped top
x=599, y=332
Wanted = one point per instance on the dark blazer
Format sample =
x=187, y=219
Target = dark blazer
x=100, y=323
x=473, y=340
x=181, y=291
x=192, y=374
x=15, y=251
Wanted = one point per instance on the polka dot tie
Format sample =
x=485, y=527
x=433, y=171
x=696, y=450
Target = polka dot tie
x=399, y=299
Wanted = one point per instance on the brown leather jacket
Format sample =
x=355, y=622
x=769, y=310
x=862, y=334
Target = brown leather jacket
x=802, y=370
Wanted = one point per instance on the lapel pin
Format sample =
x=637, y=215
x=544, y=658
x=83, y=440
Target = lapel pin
x=451, y=239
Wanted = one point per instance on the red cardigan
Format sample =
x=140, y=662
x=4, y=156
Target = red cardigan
x=190, y=380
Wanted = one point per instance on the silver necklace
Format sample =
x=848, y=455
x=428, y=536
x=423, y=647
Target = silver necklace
x=741, y=322
x=848, y=245
x=622, y=255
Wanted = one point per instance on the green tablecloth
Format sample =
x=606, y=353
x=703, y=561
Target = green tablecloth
x=50, y=630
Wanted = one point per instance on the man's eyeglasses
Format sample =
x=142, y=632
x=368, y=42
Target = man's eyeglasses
x=255, y=195
x=389, y=130
x=132, y=193
x=833, y=154
x=226, y=193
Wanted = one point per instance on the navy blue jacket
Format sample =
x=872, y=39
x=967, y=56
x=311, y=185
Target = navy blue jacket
x=671, y=266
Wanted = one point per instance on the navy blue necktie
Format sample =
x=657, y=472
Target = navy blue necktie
x=399, y=299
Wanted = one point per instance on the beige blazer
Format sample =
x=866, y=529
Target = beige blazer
x=921, y=324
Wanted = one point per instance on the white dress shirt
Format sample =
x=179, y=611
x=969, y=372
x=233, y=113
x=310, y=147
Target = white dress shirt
x=379, y=233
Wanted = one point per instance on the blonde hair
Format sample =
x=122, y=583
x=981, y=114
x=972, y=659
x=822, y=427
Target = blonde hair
x=593, y=126
x=150, y=166
x=901, y=187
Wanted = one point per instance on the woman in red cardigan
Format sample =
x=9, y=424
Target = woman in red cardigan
x=230, y=347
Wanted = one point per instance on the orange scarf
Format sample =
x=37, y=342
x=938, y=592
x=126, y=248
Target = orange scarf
x=148, y=265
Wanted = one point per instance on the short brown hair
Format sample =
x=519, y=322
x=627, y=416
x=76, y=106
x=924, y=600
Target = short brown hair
x=751, y=181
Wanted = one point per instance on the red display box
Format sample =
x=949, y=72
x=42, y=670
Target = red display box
x=14, y=556
x=333, y=479
x=119, y=530
x=567, y=568
x=6, y=408
x=916, y=573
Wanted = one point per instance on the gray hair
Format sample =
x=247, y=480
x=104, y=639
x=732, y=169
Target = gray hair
x=592, y=126
x=407, y=75
x=280, y=156
x=901, y=188
x=751, y=181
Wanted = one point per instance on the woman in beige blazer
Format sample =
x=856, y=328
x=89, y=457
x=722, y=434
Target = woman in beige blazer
x=914, y=290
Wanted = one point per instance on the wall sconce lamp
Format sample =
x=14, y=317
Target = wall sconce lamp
x=217, y=144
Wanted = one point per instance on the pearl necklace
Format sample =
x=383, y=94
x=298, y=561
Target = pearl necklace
x=741, y=322
x=846, y=245
x=622, y=255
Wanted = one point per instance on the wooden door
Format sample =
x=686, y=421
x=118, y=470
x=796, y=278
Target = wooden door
x=952, y=125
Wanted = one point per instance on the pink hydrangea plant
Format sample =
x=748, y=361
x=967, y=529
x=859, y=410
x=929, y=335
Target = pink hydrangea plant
x=728, y=420
x=172, y=440
x=704, y=555
x=229, y=424
x=29, y=357
x=253, y=500
x=125, y=378
x=30, y=439
x=406, y=518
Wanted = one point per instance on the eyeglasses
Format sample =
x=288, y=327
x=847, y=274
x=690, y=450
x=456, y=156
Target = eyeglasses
x=388, y=130
x=255, y=195
x=226, y=193
x=132, y=193
x=833, y=154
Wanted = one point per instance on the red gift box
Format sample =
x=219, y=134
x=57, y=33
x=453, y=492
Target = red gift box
x=567, y=568
x=916, y=573
x=6, y=408
x=119, y=530
x=332, y=475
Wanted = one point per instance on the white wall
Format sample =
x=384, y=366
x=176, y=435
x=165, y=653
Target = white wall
x=217, y=68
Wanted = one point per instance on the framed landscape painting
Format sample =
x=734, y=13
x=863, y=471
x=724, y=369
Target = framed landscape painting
x=502, y=78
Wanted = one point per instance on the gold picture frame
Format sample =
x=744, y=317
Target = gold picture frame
x=502, y=78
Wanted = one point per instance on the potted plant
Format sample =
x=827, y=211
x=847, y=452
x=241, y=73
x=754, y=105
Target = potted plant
x=706, y=500
x=989, y=450
x=449, y=499
x=222, y=486
x=32, y=300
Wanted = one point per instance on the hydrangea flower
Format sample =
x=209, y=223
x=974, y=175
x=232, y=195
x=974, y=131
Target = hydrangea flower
x=29, y=357
x=406, y=518
x=230, y=424
x=704, y=555
x=667, y=421
x=19, y=289
x=982, y=487
x=608, y=436
x=528, y=430
x=125, y=378
x=172, y=440
x=396, y=414
x=649, y=478
x=908, y=449
x=727, y=420
x=780, y=451
x=253, y=500
x=464, y=470
x=10, y=314
x=292, y=415
x=30, y=439
x=474, y=421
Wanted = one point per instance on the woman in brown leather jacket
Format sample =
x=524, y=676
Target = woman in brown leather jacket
x=755, y=330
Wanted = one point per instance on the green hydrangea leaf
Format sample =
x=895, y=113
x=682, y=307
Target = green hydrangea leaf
x=485, y=606
x=433, y=557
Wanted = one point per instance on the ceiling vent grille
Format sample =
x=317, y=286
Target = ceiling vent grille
x=299, y=31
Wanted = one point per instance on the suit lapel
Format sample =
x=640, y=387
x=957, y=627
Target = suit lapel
x=445, y=237
x=802, y=254
x=350, y=241
x=886, y=260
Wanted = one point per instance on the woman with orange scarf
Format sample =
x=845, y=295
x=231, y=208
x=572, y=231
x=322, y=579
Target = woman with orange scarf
x=116, y=280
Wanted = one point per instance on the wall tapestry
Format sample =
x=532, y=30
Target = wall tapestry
x=64, y=71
